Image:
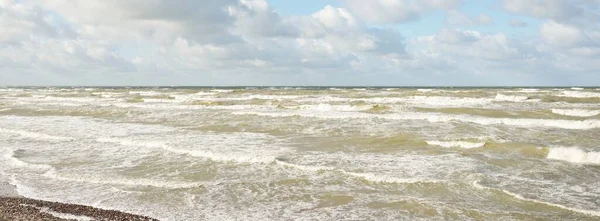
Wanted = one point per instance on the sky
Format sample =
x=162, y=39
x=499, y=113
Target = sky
x=300, y=43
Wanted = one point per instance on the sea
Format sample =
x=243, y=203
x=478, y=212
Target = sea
x=308, y=153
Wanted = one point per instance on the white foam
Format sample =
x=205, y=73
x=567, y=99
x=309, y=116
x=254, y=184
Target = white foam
x=435, y=117
x=158, y=100
x=16, y=162
x=66, y=216
x=36, y=136
x=530, y=90
x=461, y=144
x=230, y=153
x=579, y=94
x=329, y=107
x=132, y=143
x=380, y=178
x=240, y=157
x=377, y=178
x=512, y=98
x=520, y=197
x=121, y=181
x=577, y=88
x=201, y=93
x=304, y=167
x=574, y=155
x=576, y=112
x=437, y=101
x=222, y=91
x=147, y=93
x=425, y=90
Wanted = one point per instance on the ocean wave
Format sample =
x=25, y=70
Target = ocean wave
x=576, y=112
x=221, y=91
x=461, y=144
x=574, y=155
x=304, y=167
x=329, y=107
x=36, y=136
x=233, y=154
x=530, y=90
x=239, y=157
x=442, y=101
x=579, y=94
x=435, y=118
x=132, y=143
x=147, y=93
x=381, y=178
x=512, y=98
x=16, y=162
x=121, y=181
x=520, y=197
x=371, y=177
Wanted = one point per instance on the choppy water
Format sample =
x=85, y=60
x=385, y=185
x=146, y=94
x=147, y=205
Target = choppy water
x=308, y=153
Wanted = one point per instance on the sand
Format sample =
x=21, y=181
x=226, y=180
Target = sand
x=15, y=207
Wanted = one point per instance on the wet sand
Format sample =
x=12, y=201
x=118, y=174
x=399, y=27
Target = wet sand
x=15, y=207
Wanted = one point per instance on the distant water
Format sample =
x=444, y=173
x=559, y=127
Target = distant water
x=308, y=153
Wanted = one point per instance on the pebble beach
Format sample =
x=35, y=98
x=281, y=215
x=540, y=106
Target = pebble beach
x=16, y=208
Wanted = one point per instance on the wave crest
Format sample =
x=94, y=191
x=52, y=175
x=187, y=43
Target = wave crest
x=576, y=112
x=461, y=144
x=574, y=155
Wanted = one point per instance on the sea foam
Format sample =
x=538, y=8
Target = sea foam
x=576, y=112
x=36, y=136
x=461, y=144
x=512, y=98
x=574, y=155
x=516, y=122
x=520, y=197
x=579, y=94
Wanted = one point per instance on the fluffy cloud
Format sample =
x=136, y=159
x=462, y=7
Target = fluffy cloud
x=458, y=18
x=517, y=23
x=575, y=11
x=392, y=11
x=234, y=42
x=571, y=39
x=570, y=27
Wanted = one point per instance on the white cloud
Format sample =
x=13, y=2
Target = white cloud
x=558, y=10
x=257, y=18
x=561, y=35
x=204, y=21
x=392, y=11
x=458, y=18
x=248, y=42
x=517, y=23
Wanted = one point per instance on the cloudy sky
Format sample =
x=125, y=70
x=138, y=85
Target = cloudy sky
x=308, y=42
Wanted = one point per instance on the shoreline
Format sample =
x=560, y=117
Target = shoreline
x=16, y=207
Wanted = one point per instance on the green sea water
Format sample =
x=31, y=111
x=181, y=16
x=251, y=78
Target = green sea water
x=308, y=153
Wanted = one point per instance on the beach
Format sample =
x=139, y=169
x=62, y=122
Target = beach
x=16, y=208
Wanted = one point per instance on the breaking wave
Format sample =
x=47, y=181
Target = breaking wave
x=521, y=122
x=121, y=181
x=461, y=144
x=579, y=94
x=36, y=136
x=576, y=112
x=512, y=98
x=574, y=155
x=520, y=197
